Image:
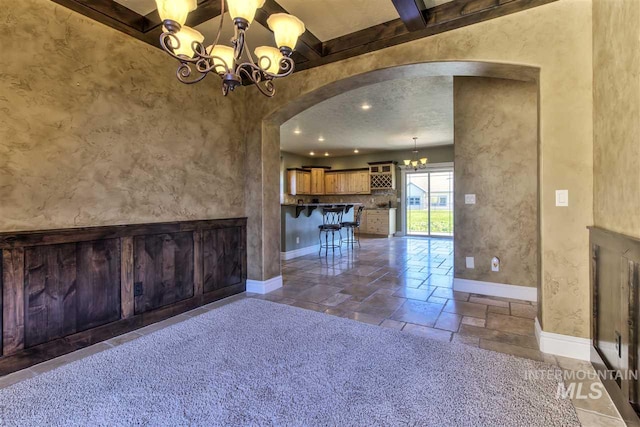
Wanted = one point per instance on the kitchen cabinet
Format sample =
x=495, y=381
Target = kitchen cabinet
x=330, y=183
x=317, y=181
x=379, y=222
x=347, y=182
x=360, y=182
x=299, y=181
x=341, y=183
x=383, y=175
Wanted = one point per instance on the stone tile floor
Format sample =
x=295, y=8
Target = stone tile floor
x=401, y=283
x=406, y=284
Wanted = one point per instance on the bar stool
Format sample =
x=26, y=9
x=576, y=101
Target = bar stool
x=351, y=227
x=331, y=222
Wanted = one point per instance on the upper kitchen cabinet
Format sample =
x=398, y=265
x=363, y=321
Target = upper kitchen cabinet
x=318, y=181
x=353, y=181
x=299, y=181
x=382, y=175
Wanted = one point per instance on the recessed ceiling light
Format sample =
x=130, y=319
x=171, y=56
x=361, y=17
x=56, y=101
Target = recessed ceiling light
x=297, y=131
x=321, y=139
x=326, y=154
x=365, y=106
x=312, y=153
x=356, y=151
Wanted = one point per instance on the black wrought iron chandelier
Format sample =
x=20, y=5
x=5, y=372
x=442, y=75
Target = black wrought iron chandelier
x=415, y=163
x=186, y=45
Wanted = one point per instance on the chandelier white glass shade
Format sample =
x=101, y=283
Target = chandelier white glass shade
x=187, y=36
x=175, y=10
x=234, y=64
x=244, y=9
x=415, y=163
x=269, y=58
x=286, y=28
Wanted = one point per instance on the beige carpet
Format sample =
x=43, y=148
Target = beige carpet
x=253, y=362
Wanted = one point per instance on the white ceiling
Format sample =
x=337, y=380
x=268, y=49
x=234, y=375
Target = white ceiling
x=400, y=109
x=328, y=19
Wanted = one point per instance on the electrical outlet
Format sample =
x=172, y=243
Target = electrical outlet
x=470, y=262
x=297, y=240
x=469, y=199
x=495, y=264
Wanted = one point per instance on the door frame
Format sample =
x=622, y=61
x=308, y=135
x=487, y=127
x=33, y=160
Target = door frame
x=431, y=167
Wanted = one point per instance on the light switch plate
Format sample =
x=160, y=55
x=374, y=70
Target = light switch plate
x=470, y=262
x=562, y=197
x=469, y=199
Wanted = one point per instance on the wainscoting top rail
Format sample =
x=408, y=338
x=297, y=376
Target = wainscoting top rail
x=621, y=243
x=10, y=240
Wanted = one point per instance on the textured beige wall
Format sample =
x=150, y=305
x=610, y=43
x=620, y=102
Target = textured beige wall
x=616, y=115
x=104, y=134
x=96, y=130
x=555, y=37
x=496, y=158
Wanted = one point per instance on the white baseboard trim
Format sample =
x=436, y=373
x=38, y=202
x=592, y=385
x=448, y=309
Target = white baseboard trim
x=264, y=286
x=563, y=345
x=525, y=293
x=299, y=252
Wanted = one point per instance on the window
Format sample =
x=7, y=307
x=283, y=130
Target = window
x=414, y=201
x=442, y=201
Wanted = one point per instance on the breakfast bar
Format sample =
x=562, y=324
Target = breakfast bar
x=299, y=224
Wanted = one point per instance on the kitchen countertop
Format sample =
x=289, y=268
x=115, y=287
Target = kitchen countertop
x=324, y=204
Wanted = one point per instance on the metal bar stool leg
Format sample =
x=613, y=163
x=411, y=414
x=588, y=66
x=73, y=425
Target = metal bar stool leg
x=353, y=236
x=326, y=243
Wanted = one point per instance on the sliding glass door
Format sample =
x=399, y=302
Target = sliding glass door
x=429, y=202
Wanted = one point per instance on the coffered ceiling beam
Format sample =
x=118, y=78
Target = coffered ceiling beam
x=411, y=13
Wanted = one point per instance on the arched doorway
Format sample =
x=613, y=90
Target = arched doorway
x=263, y=248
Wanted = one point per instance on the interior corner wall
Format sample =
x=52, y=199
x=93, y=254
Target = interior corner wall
x=616, y=115
x=496, y=158
x=96, y=130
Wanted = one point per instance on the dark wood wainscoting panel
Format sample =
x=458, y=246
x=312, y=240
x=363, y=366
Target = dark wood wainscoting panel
x=12, y=300
x=163, y=270
x=98, y=283
x=70, y=288
x=62, y=290
x=614, y=295
x=223, y=258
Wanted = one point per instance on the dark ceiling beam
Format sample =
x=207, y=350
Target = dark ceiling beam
x=411, y=13
x=442, y=18
x=308, y=46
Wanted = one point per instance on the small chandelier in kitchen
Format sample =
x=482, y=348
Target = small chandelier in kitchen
x=186, y=45
x=415, y=163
